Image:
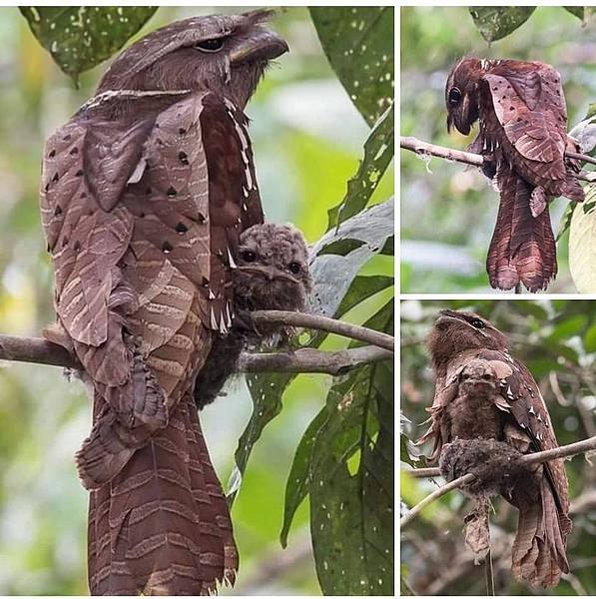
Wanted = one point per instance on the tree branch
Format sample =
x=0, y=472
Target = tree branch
x=323, y=323
x=423, y=148
x=530, y=458
x=41, y=351
x=312, y=360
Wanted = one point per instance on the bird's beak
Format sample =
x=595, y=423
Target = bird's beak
x=265, y=46
x=449, y=123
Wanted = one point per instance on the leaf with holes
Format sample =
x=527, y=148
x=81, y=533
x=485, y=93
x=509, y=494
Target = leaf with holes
x=358, y=42
x=80, y=37
x=496, y=22
x=378, y=154
x=582, y=243
x=351, y=481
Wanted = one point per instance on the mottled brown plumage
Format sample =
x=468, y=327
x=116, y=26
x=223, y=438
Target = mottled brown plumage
x=272, y=273
x=523, y=120
x=482, y=393
x=145, y=193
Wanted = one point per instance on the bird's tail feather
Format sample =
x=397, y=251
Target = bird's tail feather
x=522, y=249
x=161, y=525
x=539, y=546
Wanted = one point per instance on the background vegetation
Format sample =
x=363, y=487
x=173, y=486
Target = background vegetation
x=557, y=341
x=447, y=211
x=308, y=134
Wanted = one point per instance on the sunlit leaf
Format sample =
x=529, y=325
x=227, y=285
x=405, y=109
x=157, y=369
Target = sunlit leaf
x=582, y=243
x=80, y=37
x=378, y=154
x=497, y=22
x=351, y=481
x=358, y=42
x=333, y=274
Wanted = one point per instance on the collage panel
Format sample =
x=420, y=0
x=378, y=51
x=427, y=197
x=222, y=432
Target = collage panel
x=498, y=402
x=197, y=302
x=496, y=125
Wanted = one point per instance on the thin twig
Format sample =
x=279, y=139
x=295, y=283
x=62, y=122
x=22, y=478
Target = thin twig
x=323, y=323
x=423, y=148
x=41, y=351
x=423, y=472
x=488, y=574
x=531, y=458
x=454, y=484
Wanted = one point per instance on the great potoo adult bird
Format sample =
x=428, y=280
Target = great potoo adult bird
x=483, y=393
x=523, y=120
x=145, y=193
x=272, y=274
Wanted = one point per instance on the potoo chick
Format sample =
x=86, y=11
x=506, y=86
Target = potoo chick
x=483, y=394
x=271, y=273
x=145, y=193
x=523, y=134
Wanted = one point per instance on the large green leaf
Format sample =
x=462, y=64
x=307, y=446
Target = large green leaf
x=358, y=42
x=497, y=22
x=378, y=154
x=351, y=481
x=80, y=37
x=333, y=273
x=337, y=288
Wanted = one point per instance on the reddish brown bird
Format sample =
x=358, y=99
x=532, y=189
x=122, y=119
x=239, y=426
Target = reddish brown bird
x=469, y=353
x=145, y=193
x=523, y=120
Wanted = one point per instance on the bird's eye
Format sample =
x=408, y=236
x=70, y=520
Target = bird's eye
x=294, y=267
x=476, y=322
x=248, y=256
x=212, y=45
x=454, y=96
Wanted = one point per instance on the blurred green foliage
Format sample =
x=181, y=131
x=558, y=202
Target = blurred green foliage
x=556, y=339
x=448, y=211
x=308, y=138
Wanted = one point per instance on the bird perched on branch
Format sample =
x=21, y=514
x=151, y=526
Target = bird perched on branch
x=272, y=273
x=484, y=395
x=523, y=137
x=145, y=193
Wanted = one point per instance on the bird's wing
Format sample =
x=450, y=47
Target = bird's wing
x=194, y=191
x=530, y=414
x=532, y=116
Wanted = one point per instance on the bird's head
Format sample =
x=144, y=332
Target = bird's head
x=272, y=271
x=456, y=331
x=461, y=94
x=225, y=54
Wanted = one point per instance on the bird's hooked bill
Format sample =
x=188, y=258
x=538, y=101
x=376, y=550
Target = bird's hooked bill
x=267, y=45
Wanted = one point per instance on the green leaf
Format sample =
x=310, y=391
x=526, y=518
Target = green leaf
x=568, y=327
x=333, y=274
x=496, y=22
x=577, y=11
x=358, y=42
x=581, y=12
x=362, y=288
x=342, y=247
x=299, y=477
x=351, y=481
x=378, y=153
x=80, y=37
x=590, y=340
